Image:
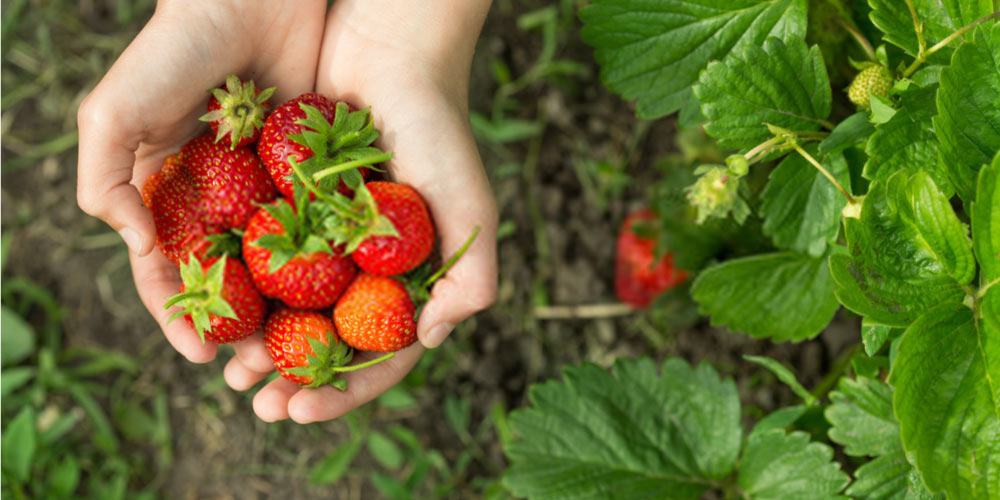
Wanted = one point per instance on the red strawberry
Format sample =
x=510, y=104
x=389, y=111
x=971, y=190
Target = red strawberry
x=218, y=299
x=290, y=261
x=376, y=313
x=318, y=134
x=391, y=255
x=205, y=189
x=639, y=275
x=299, y=344
x=236, y=111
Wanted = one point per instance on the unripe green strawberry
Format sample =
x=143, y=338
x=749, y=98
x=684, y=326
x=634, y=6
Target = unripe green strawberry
x=874, y=80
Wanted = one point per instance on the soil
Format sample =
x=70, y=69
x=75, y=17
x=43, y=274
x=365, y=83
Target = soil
x=222, y=451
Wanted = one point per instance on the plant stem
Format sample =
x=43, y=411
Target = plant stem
x=342, y=209
x=366, y=364
x=924, y=52
x=586, y=311
x=839, y=367
x=860, y=38
x=763, y=148
x=454, y=258
x=343, y=167
x=982, y=291
x=823, y=171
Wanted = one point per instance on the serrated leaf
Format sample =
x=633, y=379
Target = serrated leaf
x=776, y=466
x=784, y=296
x=985, y=213
x=940, y=19
x=936, y=228
x=968, y=123
x=783, y=83
x=861, y=417
x=636, y=432
x=947, y=401
x=852, y=130
x=907, y=141
x=888, y=276
x=801, y=207
x=889, y=477
x=653, y=52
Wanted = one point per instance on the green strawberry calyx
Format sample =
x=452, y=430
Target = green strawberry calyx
x=340, y=147
x=202, y=295
x=242, y=109
x=326, y=363
x=419, y=281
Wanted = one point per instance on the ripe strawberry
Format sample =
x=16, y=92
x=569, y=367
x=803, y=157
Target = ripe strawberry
x=299, y=344
x=874, y=80
x=391, y=255
x=639, y=275
x=291, y=260
x=318, y=133
x=378, y=313
x=218, y=299
x=205, y=189
x=236, y=111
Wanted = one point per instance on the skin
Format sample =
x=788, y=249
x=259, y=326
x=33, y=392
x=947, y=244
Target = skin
x=409, y=61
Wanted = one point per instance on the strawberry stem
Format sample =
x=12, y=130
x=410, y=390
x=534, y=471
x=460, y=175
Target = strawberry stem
x=823, y=171
x=338, y=206
x=454, y=258
x=349, y=165
x=860, y=38
x=366, y=364
x=923, y=52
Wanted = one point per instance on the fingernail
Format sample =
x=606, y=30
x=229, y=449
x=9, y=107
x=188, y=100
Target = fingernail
x=132, y=239
x=437, y=334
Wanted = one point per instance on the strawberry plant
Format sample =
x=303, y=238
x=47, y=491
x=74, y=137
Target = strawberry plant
x=882, y=199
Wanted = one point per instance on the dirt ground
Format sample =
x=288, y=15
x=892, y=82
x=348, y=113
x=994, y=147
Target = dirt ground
x=222, y=451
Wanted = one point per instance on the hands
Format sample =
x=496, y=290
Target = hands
x=402, y=60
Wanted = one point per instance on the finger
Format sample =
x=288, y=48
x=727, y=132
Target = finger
x=289, y=63
x=328, y=403
x=253, y=354
x=157, y=279
x=239, y=377
x=271, y=402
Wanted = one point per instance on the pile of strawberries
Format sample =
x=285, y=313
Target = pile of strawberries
x=273, y=225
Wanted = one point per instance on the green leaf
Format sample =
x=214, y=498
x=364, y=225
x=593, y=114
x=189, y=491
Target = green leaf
x=947, y=401
x=384, y=450
x=396, y=398
x=854, y=129
x=63, y=477
x=776, y=465
x=940, y=19
x=779, y=419
x=785, y=375
x=17, y=341
x=18, y=444
x=457, y=411
x=505, y=131
x=335, y=464
x=801, y=207
x=986, y=222
x=907, y=141
x=937, y=229
x=631, y=433
x=653, y=52
x=889, y=275
x=781, y=83
x=15, y=378
x=968, y=123
x=874, y=336
x=784, y=296
x=882, y=109
x=390, y=487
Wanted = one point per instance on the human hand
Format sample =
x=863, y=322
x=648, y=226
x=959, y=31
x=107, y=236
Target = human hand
x=148, y=105
x=410, y=63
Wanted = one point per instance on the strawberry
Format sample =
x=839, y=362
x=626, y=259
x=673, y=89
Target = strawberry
x=236, y=111
x=203, y=190
x=291, y=260
x=391, y=255
x=378, y=313
x=874, y=79
x=639, y=274
x=218, y=299
x=318, y=133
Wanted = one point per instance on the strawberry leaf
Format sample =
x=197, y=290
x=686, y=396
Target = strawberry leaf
x=986, y=222
x=638, y=431
x=783, y=83
x=968, y=123
x=947, y=399
x=653, y=52
x=940, y=18
x=784, y=296
x=776, y=465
